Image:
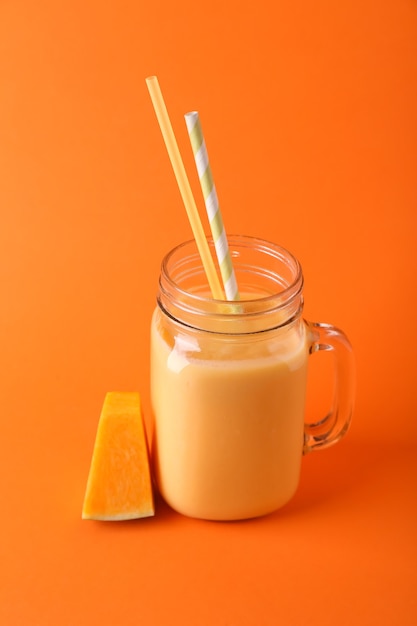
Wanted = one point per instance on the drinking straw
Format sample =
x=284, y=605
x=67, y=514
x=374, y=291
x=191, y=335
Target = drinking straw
x=198, y=144
x=184, y=186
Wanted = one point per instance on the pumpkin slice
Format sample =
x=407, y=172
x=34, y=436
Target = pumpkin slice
x=119, y=483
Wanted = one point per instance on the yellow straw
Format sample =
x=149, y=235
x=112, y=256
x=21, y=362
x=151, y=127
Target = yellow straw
x=184, y=186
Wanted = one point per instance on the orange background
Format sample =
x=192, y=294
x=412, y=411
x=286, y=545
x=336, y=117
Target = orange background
x=309, y=112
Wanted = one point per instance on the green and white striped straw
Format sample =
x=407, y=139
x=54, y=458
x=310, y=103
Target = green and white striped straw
x=212, y=205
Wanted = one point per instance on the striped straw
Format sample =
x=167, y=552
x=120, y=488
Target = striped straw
x=212, y=205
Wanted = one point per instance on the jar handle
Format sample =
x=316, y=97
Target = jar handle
x=330, y=429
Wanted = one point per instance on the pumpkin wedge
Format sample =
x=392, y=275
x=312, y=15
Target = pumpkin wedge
x=119, y=485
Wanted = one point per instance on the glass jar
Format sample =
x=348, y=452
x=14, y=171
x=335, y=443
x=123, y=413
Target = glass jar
x=228, y=383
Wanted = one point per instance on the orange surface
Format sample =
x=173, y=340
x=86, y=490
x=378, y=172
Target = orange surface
x=309, y=114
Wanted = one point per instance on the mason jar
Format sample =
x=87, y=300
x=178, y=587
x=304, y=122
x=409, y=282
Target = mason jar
x=228, y=383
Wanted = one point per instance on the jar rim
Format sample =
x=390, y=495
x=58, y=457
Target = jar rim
x=242, y=241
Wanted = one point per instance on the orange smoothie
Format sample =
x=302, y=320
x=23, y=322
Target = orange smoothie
x=228, y=418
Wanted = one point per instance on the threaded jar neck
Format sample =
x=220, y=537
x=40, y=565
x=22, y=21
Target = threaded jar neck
x=270, y=283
